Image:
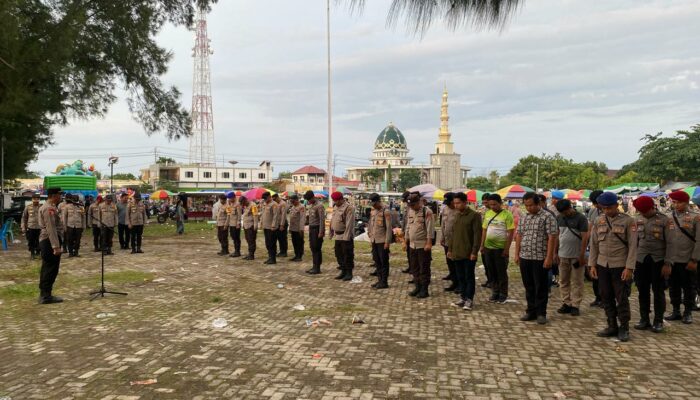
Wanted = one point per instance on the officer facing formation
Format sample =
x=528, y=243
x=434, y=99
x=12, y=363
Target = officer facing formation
x=317, y=230
x=652, y=271
x=234, y=223
x=270, y=223
x=110, y=218
x=50, y=243
x=93, y=220
x=684, y=252
x=30, y=225
x=343, y=229
x=418, y=238
x=613, y=259
x=136, y=218
x=297, y=219
x=73, y=216
x=380, y=235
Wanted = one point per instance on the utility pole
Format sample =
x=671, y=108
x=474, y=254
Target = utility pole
x=537, y=177
x=330, y=133
x=2, y=180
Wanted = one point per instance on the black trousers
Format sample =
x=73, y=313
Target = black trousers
x=49, y=268
x=271, y=244
x=495, y=262
x=375, y=257
x=316, y=244
x=648, y=278
x=222, y=235
x=124, y=236
x=382, y=262
x=251, y=235
x=136, y=233
x=466, y=278
x=235, y=234
x=450, y=267
x=282, y=239
x=298, y=243
x=536, y=282
x=33, y=240
x=419, y=264
x=614, y=293
x=73, y=237
x=682, y=287
x=97, y=237
x=345, y=254
x=107, y=237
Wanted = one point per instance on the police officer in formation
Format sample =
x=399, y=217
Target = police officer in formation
x=222, y=216
x=136, y=218
x=283, y=224
x=419, y=239
x=317, y=230
x=234, y=223
x=447, y=219
x=297, y=220
x=73, y=217
x=50, y=243
x=342, y=229
x=683, y=254
x=249, y=221
x=270, y=223
x=110, y=219
x=93, y=220
x=30, y=224
x=380, y=235
x=613, y=259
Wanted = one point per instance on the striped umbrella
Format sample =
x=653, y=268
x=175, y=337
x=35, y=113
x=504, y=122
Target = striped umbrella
x=474, y=195
x=514, y=191
x=256, y=193
x=161, y=194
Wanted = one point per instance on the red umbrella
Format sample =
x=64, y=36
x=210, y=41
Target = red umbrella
x=255, y=194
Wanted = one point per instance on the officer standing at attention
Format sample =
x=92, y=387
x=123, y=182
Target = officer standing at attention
x=297, y=219
x=30, y=224
x=317, y=230
x=418, y=238
x=592, y=216
x=123, y=228
x=65, y=200
x=222, y=215
x=74, y=219
x=281, y=233
x=110, y=219
x=249, y=218
x=93, y=219
x=343, y=229
x=136, y=218
x=447, y=220
x=50, y=239
x=651, y=272
x=683, y=254
x=234, y=223
x=270, y=223
x=613, y=258
x=380, y=236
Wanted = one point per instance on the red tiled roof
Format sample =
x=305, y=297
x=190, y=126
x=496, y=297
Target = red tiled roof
x=338, y=181
x=309, y=169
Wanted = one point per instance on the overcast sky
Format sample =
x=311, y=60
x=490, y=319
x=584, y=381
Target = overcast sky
x=584, y=78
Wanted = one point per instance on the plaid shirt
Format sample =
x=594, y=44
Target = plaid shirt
x=535, y=230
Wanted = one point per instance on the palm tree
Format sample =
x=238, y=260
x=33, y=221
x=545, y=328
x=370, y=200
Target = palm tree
x=420, y=14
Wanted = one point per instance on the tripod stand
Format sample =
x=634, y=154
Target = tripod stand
x=102, y=291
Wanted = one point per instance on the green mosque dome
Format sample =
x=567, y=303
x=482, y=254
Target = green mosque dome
x=390, y=138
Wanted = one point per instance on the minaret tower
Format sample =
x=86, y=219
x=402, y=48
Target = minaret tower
x=444, y=145
x=202, y=139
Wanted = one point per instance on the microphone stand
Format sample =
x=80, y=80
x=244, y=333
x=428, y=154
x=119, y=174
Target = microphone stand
x=102, y=291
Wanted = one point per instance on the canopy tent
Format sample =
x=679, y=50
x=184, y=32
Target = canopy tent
x=256, y=193
x=625, y=188
x=513, y=191
x=474, y=195
x=693, y=191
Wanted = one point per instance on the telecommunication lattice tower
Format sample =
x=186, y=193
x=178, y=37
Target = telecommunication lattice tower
x=202, y=139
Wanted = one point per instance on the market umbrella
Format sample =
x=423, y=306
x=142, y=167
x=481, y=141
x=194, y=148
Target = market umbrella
x=161, y=194
x=425, y=190
x=439, y=195
x=474, y=195
x=573, y=194
x=256, y=193
x=692, y=191
x=514, y=191
x=343, y=190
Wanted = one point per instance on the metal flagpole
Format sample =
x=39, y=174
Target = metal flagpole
x=330, y=133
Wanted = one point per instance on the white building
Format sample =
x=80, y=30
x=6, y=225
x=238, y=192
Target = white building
x=195, y=177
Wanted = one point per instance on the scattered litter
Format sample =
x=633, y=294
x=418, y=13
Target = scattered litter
x=198, y=250
x=280, y=286
x=324, y=321
x=299, y=307
x=356, y=279
x=202, y=237
x=179, y=372
x=195, y=263
x=317, y=355
x=146, y=382
x=159, y=280
x=105, y=315
x=518, y=372
x=314, y=323
x=620, y=349
x=219, y=323
x=131, y=304
x=358, y=319
x=564, y=395
x=511, y=301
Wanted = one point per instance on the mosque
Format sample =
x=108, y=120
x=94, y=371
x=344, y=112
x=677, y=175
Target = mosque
x=391, y=156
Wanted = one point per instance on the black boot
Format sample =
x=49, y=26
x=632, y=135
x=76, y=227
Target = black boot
x=643, y=324
x=675, y=315
x=687, y=317
x=235, y=254
x=139, y=251
x=133, y=250
x=423, y=293
x=341, y=275
x=348, y=275
x=658, y=326
x=314, y=271
x=611, y=330
x=451, y=288
x=623, y=333
x=373, y=273
x=415, y=291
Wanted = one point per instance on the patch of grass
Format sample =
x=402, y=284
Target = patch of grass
x=168, y=229
x=216, y=299
x=19, y=291
x=28, y=271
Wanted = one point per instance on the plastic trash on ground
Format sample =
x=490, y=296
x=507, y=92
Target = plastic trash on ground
x=103, y=315
x=356, y=279
x=145, y=382
x=358, y=319
x=299, y=307
x=280, y=286
x=219, y=323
